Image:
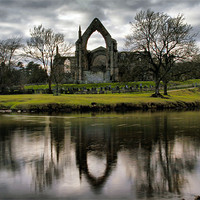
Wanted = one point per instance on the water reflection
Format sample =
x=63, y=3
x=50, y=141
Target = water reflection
x=98, y=140
x=136, y=156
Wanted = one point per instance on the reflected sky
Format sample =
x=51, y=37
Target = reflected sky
x=102, y=156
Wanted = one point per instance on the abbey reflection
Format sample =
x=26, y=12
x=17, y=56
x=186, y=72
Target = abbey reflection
x=98, y=139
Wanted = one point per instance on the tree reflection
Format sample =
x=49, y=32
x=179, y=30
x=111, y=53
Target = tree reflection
x=165, y=170
x=51, y=164
x=9, y=131
x=6, y=154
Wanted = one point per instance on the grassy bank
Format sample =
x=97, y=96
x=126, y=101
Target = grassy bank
x=186, y=98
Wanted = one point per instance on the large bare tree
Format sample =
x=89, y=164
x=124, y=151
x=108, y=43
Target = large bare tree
x=42, y=47
x=164, y=39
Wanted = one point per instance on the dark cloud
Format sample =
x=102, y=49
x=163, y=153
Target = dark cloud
x=35, y=4
x=19, y=16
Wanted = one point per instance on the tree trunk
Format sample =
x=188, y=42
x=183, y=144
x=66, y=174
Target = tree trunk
x=49, y=80
x=165, y=88
x=157, y=89
x=57, y=89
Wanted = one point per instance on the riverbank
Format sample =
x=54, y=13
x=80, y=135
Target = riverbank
x=179, y=99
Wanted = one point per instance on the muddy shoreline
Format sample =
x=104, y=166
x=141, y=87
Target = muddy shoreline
x=94, y=107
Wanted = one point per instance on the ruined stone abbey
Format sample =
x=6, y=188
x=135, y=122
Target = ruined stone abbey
x=100, y=65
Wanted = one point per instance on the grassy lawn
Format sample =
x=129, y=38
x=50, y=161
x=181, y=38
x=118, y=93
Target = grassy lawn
x=42, y=100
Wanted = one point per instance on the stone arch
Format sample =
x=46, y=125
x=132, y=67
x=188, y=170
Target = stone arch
x=95, y=37
x=96, y=25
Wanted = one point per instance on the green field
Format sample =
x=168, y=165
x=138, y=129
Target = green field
x=43, y=101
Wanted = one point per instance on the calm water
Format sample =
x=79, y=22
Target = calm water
x=110, y=156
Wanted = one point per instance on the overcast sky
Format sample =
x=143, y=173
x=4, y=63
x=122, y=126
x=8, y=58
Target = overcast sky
x=17, y=17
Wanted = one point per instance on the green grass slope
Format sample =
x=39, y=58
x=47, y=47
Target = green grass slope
x=48, y=101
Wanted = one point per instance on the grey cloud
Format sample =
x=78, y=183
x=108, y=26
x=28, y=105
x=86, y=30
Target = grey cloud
x=18, y=16
x=35, y=4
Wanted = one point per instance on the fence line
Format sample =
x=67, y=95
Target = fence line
x=101, y=90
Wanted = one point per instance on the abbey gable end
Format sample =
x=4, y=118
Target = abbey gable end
x=99, y=65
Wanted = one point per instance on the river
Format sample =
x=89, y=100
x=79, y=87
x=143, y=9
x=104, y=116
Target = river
x=100, y=156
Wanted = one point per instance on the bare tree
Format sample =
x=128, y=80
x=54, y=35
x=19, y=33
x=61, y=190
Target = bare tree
x=42, y=48
x=8, y=50
x=9, y=56
x=164, y=39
